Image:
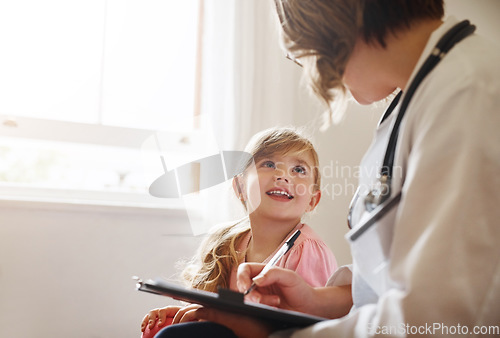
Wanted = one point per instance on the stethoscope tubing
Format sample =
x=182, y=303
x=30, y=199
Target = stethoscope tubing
x=444, y=45
x=447, y=41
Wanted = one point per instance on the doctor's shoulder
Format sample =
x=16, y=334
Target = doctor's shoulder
x=462, y=93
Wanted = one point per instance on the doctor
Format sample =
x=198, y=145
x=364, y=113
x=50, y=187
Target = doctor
x=429, y=263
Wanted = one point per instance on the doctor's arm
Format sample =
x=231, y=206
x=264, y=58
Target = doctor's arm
x=285, y=289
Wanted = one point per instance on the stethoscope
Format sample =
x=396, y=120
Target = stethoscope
x=378, y=197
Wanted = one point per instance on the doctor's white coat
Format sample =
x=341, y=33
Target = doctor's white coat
x=444, y=256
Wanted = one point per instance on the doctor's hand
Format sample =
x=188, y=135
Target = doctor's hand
x=286, y=289
x=278, y=287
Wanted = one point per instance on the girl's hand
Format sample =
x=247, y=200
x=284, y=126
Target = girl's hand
x=186, y=314
x=159, y=315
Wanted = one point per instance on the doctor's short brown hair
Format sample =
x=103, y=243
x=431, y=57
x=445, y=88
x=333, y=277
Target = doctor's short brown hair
x=325, y=32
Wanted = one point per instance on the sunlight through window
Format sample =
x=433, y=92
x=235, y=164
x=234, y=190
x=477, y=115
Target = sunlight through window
x=71, y=67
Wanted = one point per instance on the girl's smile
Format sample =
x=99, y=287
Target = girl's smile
x=282, y=188
x=280, y=194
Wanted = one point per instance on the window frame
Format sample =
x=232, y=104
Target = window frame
x=15, y=126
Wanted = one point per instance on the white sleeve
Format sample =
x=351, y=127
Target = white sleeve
x=341, y=276
x=446, y=252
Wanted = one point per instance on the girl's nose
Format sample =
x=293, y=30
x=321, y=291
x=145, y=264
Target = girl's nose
x=281, y=178
x=281, y=175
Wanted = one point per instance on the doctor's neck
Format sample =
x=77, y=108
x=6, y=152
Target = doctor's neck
x=403, y=50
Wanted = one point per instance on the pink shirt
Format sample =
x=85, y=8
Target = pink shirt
x=310, y=257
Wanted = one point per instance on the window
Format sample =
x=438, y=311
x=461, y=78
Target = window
x=84, y=83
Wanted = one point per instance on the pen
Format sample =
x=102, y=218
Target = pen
x=281, y=252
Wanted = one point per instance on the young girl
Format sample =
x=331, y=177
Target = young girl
x=283, y=187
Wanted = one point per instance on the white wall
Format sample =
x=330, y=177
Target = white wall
x=65, y=271
x=340, y=149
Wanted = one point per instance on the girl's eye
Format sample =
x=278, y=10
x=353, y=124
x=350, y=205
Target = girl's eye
x=268, y=164
x=299, y=170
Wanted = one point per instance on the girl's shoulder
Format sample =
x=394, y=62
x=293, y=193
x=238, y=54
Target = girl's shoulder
x=311, y=258
x=310, y=243
x=307, y=233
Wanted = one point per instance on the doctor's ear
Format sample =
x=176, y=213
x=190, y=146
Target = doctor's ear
x=239, y=187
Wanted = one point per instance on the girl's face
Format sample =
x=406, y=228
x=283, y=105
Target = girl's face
x=282, y=187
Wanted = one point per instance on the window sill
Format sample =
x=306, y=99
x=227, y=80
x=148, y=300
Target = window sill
x=52, y=199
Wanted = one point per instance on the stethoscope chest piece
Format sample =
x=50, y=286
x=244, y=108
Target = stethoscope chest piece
x=378, y=194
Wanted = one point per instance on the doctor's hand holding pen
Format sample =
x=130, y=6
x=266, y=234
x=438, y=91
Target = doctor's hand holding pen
x=285, y=289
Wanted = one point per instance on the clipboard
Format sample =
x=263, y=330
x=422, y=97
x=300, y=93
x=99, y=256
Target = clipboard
x=229, y=301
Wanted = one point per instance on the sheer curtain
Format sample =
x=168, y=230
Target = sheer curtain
x=248, y=84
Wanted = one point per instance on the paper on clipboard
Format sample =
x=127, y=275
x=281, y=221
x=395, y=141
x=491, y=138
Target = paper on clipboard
x=229, y=301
